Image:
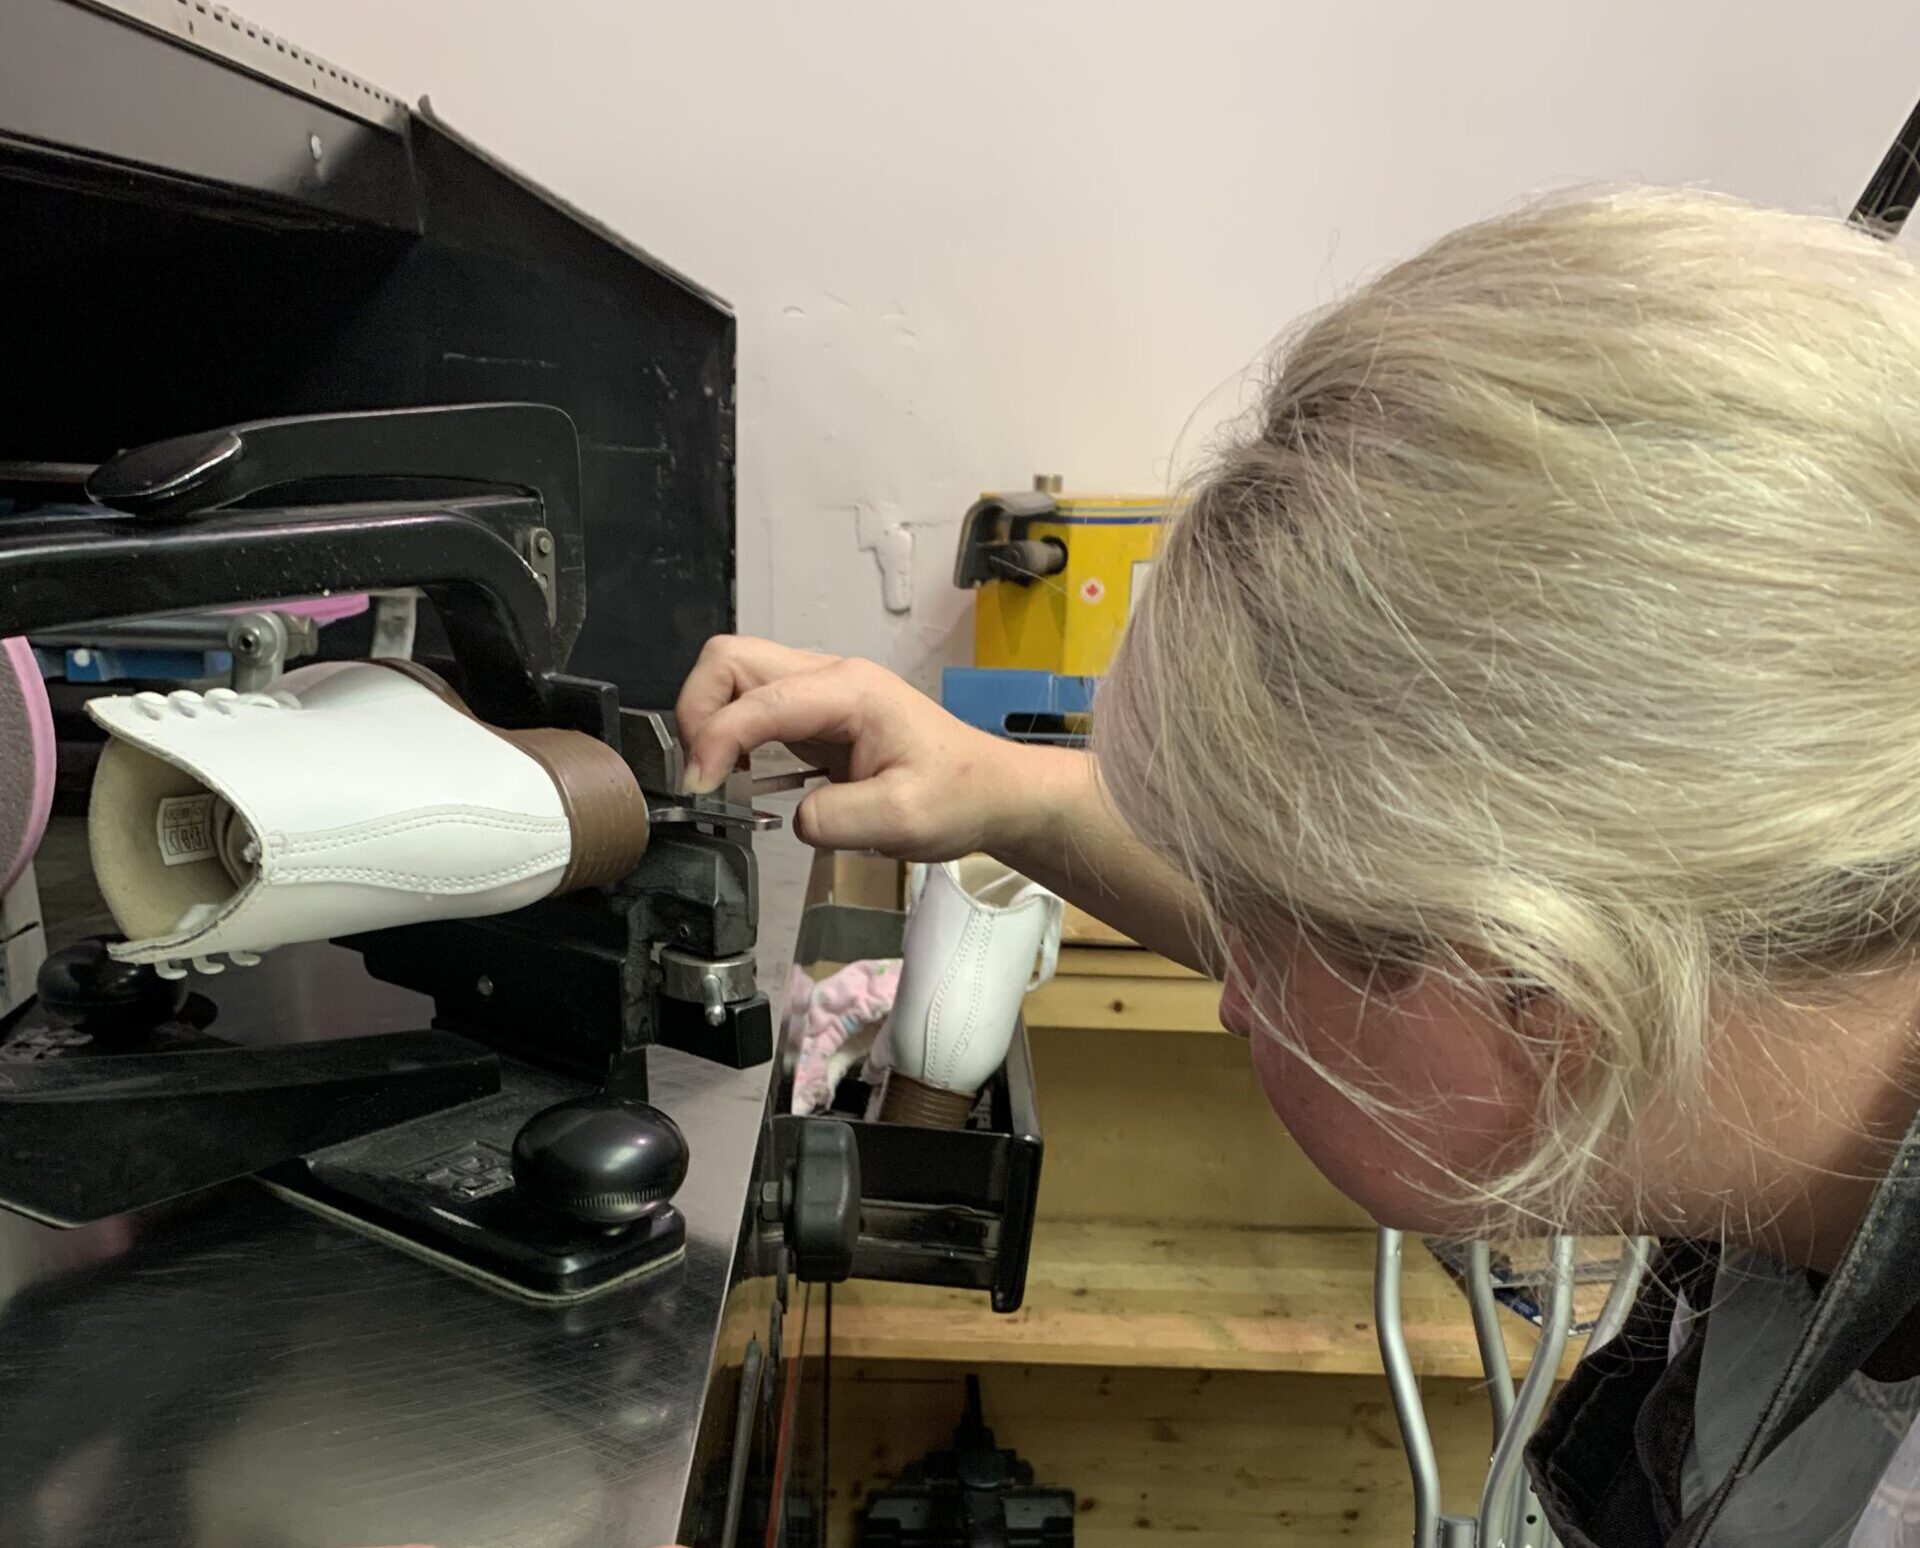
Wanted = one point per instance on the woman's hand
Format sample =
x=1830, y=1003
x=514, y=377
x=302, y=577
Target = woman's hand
x=912, y=782
x=908, y=780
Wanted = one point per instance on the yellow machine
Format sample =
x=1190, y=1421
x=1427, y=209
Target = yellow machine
x=1057, y=576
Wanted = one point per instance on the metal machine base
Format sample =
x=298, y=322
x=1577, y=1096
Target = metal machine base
x=441, y=1188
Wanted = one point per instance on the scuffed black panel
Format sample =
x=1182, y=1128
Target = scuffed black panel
x=139, y=302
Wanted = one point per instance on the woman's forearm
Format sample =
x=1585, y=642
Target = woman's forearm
x=1065, y=834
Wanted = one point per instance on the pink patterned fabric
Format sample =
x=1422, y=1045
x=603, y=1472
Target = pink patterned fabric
x=823, y=1018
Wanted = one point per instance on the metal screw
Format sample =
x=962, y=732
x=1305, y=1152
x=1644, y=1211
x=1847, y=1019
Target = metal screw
x=543, y=542
x=248, y=640
x=1048, y=483
x=484, y=986
x=314, y=147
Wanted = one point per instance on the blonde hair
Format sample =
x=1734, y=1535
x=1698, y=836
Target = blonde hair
x=1560, y=611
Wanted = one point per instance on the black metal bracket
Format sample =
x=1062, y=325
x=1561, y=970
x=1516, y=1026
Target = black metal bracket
x=571, y=983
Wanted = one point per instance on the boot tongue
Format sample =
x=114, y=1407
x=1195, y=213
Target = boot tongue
x=167, y=852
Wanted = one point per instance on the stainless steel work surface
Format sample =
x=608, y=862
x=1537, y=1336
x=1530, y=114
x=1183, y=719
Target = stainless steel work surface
x=232, y=1372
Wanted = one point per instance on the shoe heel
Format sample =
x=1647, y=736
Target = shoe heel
x=920, y=1106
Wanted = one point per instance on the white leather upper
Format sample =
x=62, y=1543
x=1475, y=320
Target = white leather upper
x=979, y=937
x=372, y=802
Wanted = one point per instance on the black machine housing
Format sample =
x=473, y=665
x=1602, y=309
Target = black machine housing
x=295, y=343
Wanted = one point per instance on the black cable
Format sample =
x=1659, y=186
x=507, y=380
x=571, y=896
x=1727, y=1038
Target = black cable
x=826, y=1415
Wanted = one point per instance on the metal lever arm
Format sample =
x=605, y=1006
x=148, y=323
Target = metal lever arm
x=61, y=571
x=526, y=447
x=514, y=465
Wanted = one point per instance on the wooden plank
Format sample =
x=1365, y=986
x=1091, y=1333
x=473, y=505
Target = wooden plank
x=1169, y=1128
x=1127, y=1294
x=1106, y=961
x=856, y=877
x=1082, y=929
x=1232, y=1460
x=1127, y=1004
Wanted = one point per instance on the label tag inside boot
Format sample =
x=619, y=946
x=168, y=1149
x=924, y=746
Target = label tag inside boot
x=184, y=828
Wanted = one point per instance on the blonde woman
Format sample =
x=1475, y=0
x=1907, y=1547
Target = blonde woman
x=1524, y=719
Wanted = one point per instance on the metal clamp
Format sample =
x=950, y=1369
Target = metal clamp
x=711, y=982
x=537, y=548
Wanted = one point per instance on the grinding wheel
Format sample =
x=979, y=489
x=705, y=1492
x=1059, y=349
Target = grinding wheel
x=26, y=758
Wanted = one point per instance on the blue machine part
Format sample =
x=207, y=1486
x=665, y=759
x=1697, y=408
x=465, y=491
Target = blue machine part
x=1027, y=706
x=82, y=664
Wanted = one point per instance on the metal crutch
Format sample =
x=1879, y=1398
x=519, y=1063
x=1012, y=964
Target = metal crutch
x=1430, y=1528
x=1488, y=1334
x=1497, y=1369
x=1620, y=1299
x=1506, y=1503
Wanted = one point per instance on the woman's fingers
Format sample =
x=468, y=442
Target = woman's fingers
x=867, y=814
x=903, y=766
x=730, y=665
x=824, y=705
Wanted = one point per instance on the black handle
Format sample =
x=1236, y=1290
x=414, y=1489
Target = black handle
x=526, y=447
x=823, y=1202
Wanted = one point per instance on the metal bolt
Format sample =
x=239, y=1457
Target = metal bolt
x=314, y=147
x=713, y=996
x=543, y=542
x=1048, y=483
x=484, y=987
x=248, y=640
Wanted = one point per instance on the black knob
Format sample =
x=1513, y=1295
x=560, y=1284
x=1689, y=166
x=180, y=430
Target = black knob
x=84, y=987
x=823, y=1202
x=601, y=1159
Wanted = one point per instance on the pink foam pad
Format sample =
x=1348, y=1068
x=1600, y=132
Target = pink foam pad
x=322, y=610
x=26, y=758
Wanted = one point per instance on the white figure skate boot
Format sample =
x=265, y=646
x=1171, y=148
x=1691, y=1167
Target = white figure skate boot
x=979, y=938
x=354, y=796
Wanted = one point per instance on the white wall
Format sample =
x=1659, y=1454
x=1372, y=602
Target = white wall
x=976, y=239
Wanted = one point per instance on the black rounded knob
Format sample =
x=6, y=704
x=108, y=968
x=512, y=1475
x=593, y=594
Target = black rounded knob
x=601, y=1159
x=823, y=1202
x=84, y=987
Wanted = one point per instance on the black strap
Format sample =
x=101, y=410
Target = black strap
x=1869, y=1295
